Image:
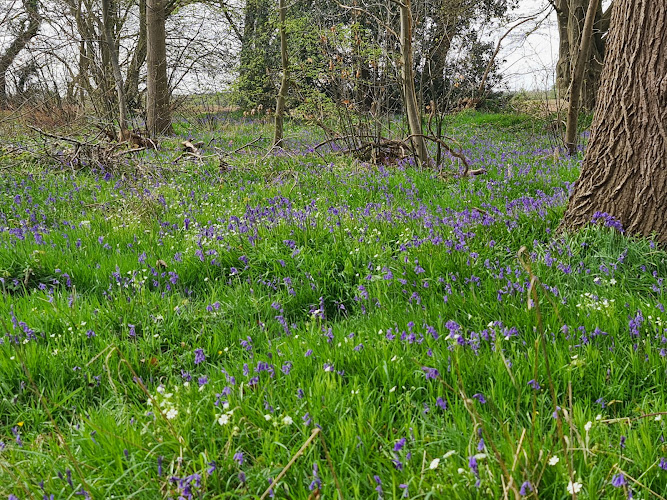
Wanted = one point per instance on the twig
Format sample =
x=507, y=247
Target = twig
x=448, y=148
x=273, y=484
x=632, y=419
x=331, y=467
x=246, y=145
x=57, y=137
x=638, y=483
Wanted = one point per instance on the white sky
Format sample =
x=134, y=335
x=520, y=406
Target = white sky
x=530, y=61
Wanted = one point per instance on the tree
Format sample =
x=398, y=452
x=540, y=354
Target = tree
x=408, y=82
x=158, y=113
x=258, y=55
x=284, y=81
x=108, y=19
x=27, y=30
x=576, y=83
x=624, y=173
x=570, y=15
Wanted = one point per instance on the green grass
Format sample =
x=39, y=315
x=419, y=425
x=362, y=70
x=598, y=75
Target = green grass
x=286, y=272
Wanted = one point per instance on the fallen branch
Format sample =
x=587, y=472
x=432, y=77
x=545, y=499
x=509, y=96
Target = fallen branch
x=628, y=420
x=305, y=445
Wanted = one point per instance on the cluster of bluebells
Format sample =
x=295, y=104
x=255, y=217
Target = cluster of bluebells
x=387, y=236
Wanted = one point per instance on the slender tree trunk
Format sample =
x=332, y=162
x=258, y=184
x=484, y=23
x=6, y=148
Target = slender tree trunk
x=18, y=44
x=284, y=83
x=563, y=70
x=108, y=17
x=409, y=92
x=571, y=16
x=157, y=85
x=624, y=173
x=138, y=59
x=577, y=79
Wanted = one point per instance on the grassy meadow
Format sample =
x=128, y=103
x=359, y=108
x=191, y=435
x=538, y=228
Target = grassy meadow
x=174, y=329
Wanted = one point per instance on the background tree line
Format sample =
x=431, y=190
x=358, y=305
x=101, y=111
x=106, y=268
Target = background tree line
x=338, y=53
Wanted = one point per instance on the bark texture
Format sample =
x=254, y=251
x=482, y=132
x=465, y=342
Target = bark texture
x=158, y=113
x=624, y=172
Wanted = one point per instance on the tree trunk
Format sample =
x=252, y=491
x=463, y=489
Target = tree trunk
x=108, y=17
x=18, y=44
x=570, y=16
x=158, y=113
x=409, y=92
x=138, y=59
x=624, y=173
x=577, y=79
x=284, y=83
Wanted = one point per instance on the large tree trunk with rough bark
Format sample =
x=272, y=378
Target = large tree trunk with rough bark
x=624, y=173
x=158, y=113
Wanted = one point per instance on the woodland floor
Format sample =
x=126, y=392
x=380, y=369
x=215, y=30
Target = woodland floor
x=173, y=328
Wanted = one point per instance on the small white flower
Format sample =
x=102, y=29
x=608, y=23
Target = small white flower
x=612, y=281
x=267, y=417
x=225, y=405
x=171, y=414
x=224, y=419
x=160, y=389
x=573, y=488
x=554, y=460
x=287, y=420
x=658, y=418
x=448, y=454
x=434, y=464
x=598, y=417
x=392, y=389
x=588, y=426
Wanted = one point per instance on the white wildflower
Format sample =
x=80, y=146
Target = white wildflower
x=434, y=464
x=554, y=460
x=224, y=419
x=171, y=414
x=573, y=488
x=588, y=426
x=287, y=420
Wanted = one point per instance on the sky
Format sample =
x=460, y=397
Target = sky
x=530, y=61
